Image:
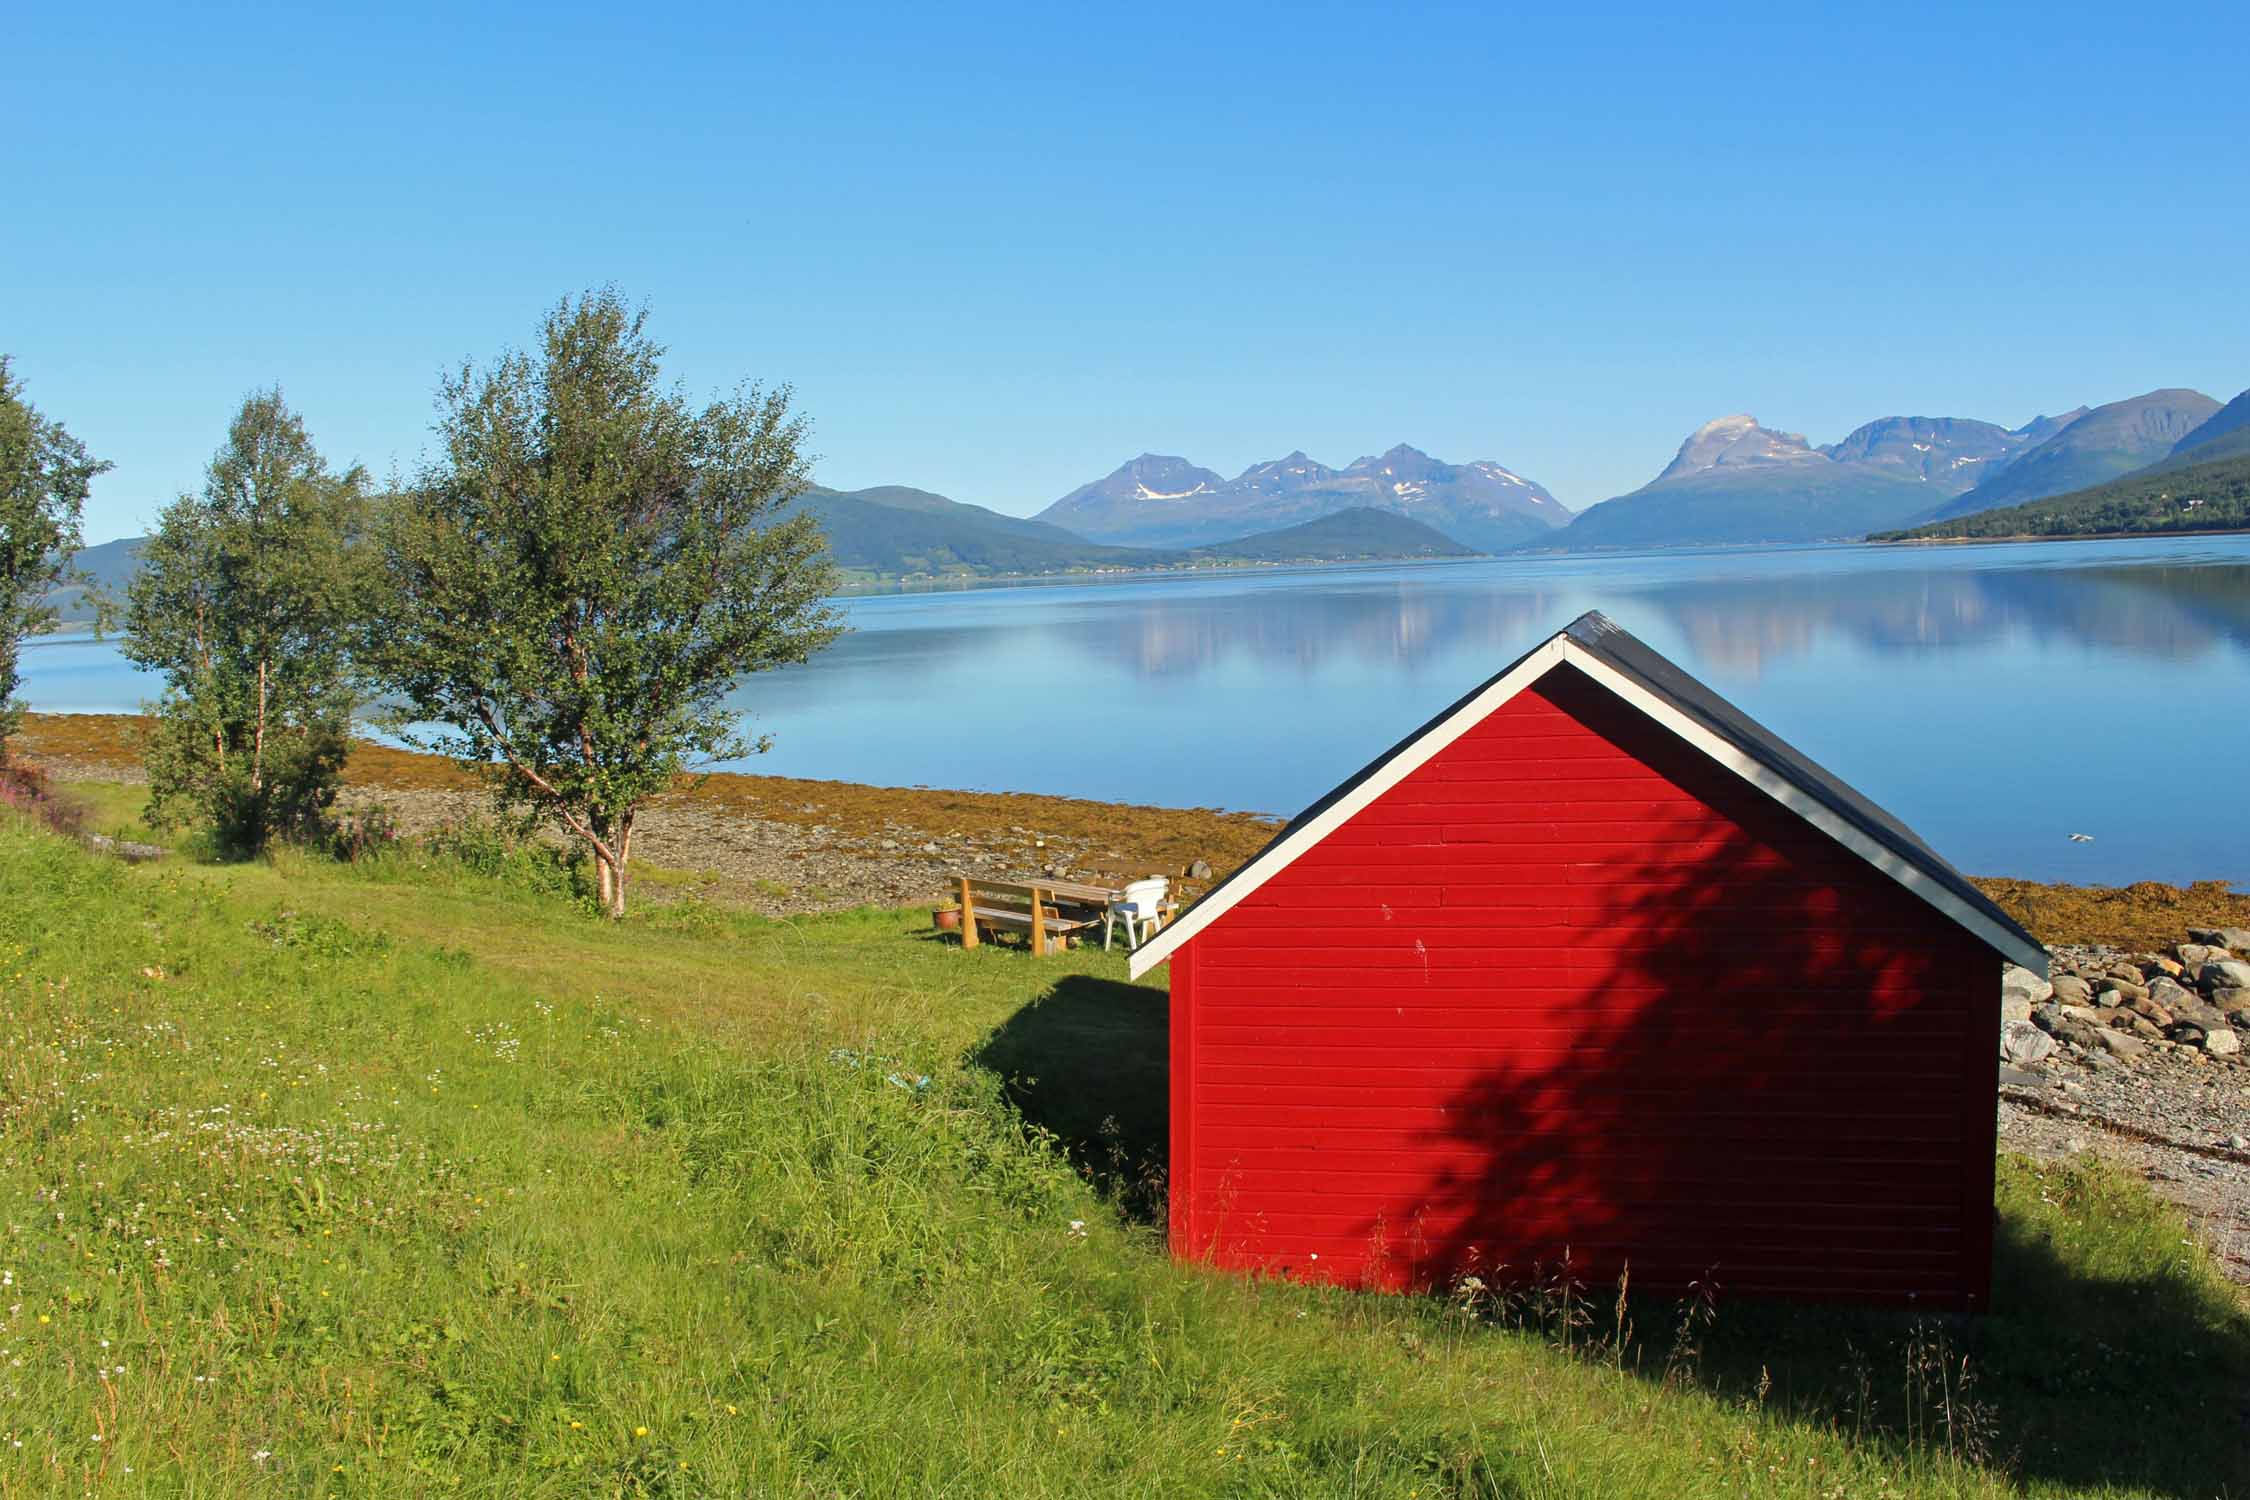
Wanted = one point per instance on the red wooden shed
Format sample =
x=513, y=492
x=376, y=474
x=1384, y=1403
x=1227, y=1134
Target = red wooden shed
x=1592, y=963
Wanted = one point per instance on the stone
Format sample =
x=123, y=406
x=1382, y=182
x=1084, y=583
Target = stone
x=2024, y=1044
x=2145, y=1029
x=2238, y=1143
x=2188, y=1034
x=2195, y=955
x=2168, y=991
x=2224, y=974
x=2123, y=987
x=2219, y=1042
x=2020, y=990
x=930, y=848
x=2069, y=989
x=2222, y=937
x=2124, y=971
x=2164, y=965
x=2120, y=1046
x=2017, y=1078
x=2083, y=1014
x=2153, y=1011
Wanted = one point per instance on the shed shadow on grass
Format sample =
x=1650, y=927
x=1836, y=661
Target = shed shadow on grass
x=2136, y=1382
x=1087, y=1062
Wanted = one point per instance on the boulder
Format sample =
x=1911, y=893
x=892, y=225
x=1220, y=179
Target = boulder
x=2219, y=1041
x=2159, y=964
x=2165, y=990
x=2222, y=937
x=2123, y=970
x=2153, y=1011
x=2120, y=1046
x=2125, y=989
x=2145, y=1029
x=2023, y=1044
x=2223, y=974
x=2019, y=985
x=2069, y=989
x=1197, y=870
x=2193, y=955
x=2058, y=1022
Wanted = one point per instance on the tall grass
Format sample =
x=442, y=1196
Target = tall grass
x=301, y=1202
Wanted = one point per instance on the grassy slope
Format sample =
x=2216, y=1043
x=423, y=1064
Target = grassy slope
x=351, y=1181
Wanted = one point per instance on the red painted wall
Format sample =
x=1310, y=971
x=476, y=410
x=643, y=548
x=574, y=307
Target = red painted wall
x=1570, y=984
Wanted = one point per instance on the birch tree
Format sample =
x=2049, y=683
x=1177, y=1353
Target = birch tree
x=246, y=603
x=571, y=589
x=45, y=476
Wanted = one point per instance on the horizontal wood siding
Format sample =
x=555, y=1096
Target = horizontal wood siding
x=1570, y=989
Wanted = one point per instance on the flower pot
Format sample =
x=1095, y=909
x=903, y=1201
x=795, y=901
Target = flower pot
x=945, y=918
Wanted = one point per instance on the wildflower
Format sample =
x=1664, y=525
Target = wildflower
x=640, y=1432
x=731, y=1411
x=553, y=1357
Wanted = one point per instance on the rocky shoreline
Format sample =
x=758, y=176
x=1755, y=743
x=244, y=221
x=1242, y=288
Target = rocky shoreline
x=2138, y=1057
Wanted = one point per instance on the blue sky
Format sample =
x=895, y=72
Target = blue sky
x=999, y=250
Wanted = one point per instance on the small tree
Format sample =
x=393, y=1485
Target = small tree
x=45, y=476
x=572, y=588
x=246, y=602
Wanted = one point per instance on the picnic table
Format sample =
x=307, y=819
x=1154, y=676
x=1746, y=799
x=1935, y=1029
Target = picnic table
x=1043, y=911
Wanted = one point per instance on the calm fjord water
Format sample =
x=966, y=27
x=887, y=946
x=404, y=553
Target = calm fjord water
x=1998, y=698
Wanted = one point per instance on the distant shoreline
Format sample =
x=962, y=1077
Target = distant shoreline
x=2075, y=536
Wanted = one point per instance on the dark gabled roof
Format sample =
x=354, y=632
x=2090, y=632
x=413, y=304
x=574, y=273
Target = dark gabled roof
x=1620, y=648
x=1608, y=645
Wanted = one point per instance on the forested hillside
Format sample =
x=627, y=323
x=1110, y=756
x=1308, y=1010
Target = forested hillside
x=2204, y=497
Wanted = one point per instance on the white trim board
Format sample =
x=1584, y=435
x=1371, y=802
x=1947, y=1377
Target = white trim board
x=1559, y=649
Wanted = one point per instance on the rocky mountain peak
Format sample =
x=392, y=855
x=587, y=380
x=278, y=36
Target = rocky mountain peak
x=1737, y=439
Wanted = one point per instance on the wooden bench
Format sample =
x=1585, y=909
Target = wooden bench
x=1049, y=910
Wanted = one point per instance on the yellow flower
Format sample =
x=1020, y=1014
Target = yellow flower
x=576, y=1425
x=553, y=1357
x=42, y=1317
x=640, y=1432
x=731, y=1410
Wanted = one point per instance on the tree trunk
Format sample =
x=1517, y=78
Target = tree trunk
x=624, y=854
x=258, y=740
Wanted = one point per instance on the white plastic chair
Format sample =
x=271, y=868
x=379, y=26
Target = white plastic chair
x=1141, y=906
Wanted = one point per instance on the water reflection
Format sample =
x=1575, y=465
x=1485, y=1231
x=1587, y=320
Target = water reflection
x=2164, y=612
x=1734, y=626
x=1403, y=622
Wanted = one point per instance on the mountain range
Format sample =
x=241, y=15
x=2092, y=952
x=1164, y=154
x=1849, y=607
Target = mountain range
x=1736, y=481
x=1732, y=481
x=1158, y=500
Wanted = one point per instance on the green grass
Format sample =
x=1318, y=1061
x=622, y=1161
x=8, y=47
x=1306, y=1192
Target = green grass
x=399, y=1179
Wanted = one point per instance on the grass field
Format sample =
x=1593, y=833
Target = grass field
x=402, y=1178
